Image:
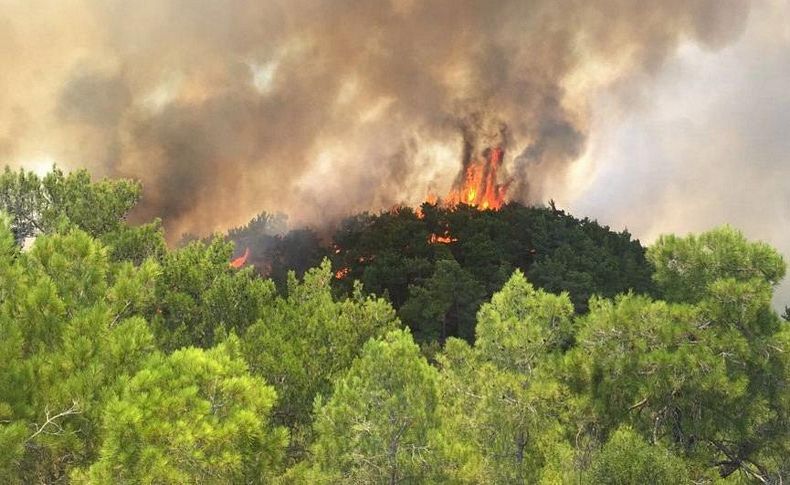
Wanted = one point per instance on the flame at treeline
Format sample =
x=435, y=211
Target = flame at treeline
x=445, y=238
x=482, y=183
x=479, y=186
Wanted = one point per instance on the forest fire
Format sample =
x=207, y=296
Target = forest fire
x=342, y=273
x=480, y=187
x=241, y=260
x=477, y=186
x=445, y=238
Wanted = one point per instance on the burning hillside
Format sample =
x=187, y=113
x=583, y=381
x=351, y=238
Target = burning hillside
x=395, y=251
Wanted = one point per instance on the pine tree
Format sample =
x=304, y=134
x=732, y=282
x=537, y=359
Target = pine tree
x=376, y=425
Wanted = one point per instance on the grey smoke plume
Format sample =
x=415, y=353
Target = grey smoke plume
x=320, y=107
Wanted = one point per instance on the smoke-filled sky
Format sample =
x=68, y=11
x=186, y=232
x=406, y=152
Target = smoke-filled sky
x=708, y=144
x=658, y=116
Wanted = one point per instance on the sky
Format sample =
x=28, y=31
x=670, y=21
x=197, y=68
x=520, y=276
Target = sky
x=664, y=116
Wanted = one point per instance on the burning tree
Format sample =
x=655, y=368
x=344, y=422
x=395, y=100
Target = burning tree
x=478, y=184
x=482, y=181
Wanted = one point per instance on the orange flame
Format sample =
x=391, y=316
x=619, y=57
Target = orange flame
x=480, y=187
x=442, y=239
x=241, y=260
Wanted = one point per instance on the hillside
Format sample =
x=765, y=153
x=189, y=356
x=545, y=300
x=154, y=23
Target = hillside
x=438, y=264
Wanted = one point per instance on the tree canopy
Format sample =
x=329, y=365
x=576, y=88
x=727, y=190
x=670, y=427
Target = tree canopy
x=437, y=264
x=448, y=345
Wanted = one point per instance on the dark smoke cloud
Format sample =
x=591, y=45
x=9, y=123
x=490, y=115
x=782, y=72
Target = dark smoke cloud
x=320, y=107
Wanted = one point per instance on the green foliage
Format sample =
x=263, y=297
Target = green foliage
x=583, y=258
x=68, y=335
x=503, y=410
x=137, y=243
x=43, y=205
x=305, y=340
x=194, y=416
x=444, y=305
x=376, y=425
x=126, y=362
x=396, y=254
x=200, y=298
x=707, y=380
x=61, y=201
x=97, y=208
x=500, y=426
x=22, y=198
x=627, y=459
x=387, y=252
x=522, y=324
x=685, y=267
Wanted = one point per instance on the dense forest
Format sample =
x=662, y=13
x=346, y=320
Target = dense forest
x=437, y=265
x=438, y=345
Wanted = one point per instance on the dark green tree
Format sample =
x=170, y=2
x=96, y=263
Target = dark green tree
x=444, y=305
x=708, y=379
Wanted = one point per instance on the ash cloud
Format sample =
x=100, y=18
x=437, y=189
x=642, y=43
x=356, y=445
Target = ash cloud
x=317, y=108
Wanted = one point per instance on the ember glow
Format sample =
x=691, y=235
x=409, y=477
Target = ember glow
x=342, y=273
x=241, y=260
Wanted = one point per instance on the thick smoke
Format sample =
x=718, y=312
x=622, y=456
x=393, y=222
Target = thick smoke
x=319, y=107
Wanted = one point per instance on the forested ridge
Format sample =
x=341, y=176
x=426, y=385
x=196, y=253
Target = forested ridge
x=437, y=264
x=437, y=345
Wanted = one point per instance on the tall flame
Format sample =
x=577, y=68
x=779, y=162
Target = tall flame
x=480, y=187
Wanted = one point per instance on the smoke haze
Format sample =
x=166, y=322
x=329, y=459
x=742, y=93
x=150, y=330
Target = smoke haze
x=710, y=147
x=318, y=108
